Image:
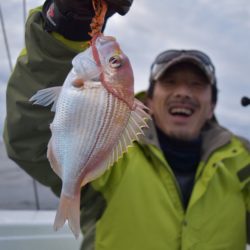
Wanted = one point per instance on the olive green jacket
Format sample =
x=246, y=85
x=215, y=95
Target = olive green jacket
x=136, y=204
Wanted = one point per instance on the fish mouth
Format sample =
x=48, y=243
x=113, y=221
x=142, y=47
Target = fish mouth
x=103, y=39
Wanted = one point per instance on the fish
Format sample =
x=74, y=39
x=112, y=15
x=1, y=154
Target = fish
x=96, y=119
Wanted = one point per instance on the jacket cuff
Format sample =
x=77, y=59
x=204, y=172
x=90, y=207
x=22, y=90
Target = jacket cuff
x=71, y=26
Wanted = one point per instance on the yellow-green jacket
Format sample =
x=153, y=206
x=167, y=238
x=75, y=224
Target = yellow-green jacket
x=136, y=204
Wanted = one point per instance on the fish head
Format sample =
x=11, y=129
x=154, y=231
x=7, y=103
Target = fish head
x=85, y=67
x=117, y=74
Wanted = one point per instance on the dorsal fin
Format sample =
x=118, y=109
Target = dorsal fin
x=136, y=122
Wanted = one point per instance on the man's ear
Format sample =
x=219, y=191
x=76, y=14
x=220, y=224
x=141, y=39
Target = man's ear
x=212, y=108
x=148, y=103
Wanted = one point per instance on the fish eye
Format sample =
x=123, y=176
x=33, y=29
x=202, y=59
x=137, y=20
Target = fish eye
x=115, y=61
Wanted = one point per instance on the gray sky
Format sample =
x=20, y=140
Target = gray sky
x=219, y=28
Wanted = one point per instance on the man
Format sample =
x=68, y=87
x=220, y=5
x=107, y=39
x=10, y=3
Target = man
x=182, y=96
x=185, y=186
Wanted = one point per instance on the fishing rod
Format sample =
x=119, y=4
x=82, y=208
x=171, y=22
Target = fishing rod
x=245, y=101
x=5, y=39
x=24, y=11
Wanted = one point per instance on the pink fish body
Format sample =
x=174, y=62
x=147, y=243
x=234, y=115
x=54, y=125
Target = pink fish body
x=96, y=119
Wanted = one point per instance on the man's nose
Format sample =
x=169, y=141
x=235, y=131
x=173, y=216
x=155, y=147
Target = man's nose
x=183, y=90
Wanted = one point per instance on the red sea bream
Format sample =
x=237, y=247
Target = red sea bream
x=96, y=119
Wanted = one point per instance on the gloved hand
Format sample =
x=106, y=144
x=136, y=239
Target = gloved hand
x=72, y=18
x=120, y=6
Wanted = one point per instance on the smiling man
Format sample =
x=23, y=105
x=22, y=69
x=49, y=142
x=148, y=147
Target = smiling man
x=182, y=96
x=182, y=93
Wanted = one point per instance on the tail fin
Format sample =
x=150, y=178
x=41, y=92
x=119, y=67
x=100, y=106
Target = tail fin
x=68, y=209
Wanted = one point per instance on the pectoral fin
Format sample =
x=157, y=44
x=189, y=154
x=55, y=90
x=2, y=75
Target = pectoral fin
x=45, y=97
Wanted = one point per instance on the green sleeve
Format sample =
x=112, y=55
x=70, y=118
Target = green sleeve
x=244, y=176
x=43, y=63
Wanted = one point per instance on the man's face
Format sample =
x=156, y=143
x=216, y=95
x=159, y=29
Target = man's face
x=182, y=102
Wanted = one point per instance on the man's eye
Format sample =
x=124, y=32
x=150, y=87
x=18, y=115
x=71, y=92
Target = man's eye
x=170, y=83
x=198, y=84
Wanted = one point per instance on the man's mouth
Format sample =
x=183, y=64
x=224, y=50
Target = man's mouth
x=181, y=111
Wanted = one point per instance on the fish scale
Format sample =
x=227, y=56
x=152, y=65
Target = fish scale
x=86, y=116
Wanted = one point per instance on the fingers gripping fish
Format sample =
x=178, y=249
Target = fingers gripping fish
x=96, y=119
